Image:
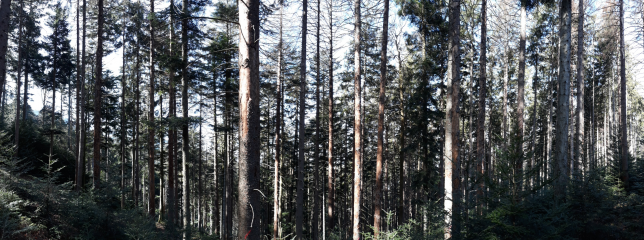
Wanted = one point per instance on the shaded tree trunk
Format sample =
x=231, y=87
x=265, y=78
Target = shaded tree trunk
x=330, y=178
x=185, y=138
x=623, y=176
x=300, y=165
x=5, y=13
x=80, y=160
x=151, y=148
x=98, y=96
x=278, y=138
x=580, y=90
x=480, y=126
x=563, y=95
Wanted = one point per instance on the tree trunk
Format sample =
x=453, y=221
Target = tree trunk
x=623, y=176
x=78, y=78
x=302, y=111
x=451, y=158
x=480, y=126
x=330, y=178
x=278, y=138
x=172, y=207
x=518, y=165
x=151, y=148
x=98, y=96
x=357, y=151
x=18, y=76
x=381, y=121
x=80, y=160
x=123, y=132
x=563, y=94
x=316, y=152
x=580, y=89
x=249, y=127
x=185, y=139
x=5, y=13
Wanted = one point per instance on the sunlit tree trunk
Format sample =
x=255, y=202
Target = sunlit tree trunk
x=357, y=151
x=451, y=158
x=381, y=121
x=278, y=138
x=580, y=89
x=249, y=126
x=330, y=178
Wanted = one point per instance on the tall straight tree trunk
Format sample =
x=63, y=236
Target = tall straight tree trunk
x=357, y=151
x=480, y=126
x=80, y=160
x=563, y=95
x=580, y=89
x=300, y=165
x=5, y=13
x=98, y=96
x=518, y=165
x=18, y=76
x=185, y=139
x=403, y=129
x=330, y=198
x=123, y=132
x=451, y=158
x=249, y=127
x=506, y=79
x=162, y=187
x=151, y=148
x=623, y=176
x=136, y=188
x=381, y=121
x=172, y=207
x=78, y=77
x=316, y=152
x=278, y=122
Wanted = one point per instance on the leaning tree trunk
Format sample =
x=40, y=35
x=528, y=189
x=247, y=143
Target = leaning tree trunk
x=300, y=165
x=563, y=95
x=357, y=126
x=451, y=158
x=381, y=121
x=249, y=126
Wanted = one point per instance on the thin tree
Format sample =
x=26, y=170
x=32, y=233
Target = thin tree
x=302, y=110
x=18, y=76
x=381, y=120
x=172, y=207
x=278, y=138
x=563, y=95
x=249, y=126
x=98, y=96
x=80, y=160
x=622, y=100
x=480, y=126
x=151, y=187
x=518, y=164
x=316, y=148
x=329, y=199
x=451, y=157
x=185, y=147
x=357, y=126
